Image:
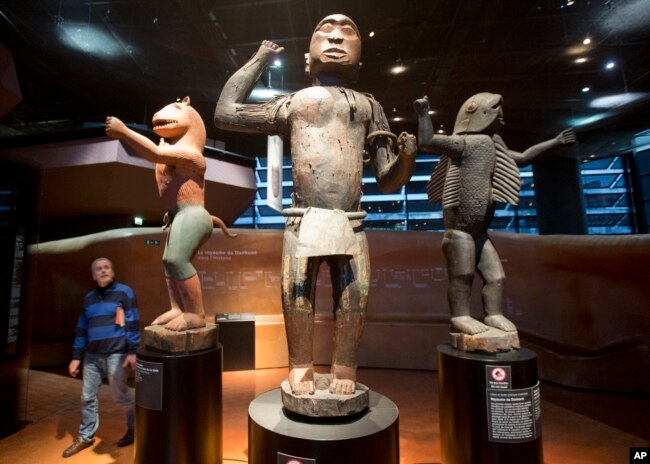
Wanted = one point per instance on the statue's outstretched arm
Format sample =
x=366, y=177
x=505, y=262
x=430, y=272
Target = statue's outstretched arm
x=451, y=146
x=231, y=113
x=566, y=137
x=144, y=147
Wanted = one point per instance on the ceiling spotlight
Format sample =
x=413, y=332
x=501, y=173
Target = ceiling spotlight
x=441, y=130
x=585, y=89
x=582, y=59
x=398, y=68
x=397, y=118
x=586, y=41
x=432, y=112
x=372, y=34
x=610, y=65
x=569, y=2
x=277, y=63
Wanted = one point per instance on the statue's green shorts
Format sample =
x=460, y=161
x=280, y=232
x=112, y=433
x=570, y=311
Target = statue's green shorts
x=191, y=227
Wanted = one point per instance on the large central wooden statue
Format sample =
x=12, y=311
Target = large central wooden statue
x=328, y=126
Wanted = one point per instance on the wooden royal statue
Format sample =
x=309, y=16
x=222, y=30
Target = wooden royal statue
x=476, y=170
x=180, y=171
x=328, y=126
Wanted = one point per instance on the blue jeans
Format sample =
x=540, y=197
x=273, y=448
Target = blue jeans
x=95, y=367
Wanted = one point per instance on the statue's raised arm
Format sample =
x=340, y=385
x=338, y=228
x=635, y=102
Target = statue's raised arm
x=430, y=142
x=231, y=112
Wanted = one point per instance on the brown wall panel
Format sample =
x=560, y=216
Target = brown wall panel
x=580, y=301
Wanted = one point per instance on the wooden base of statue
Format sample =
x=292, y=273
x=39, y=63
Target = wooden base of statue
x=186, y=341
x=491, y=341
x=178, y=397
x=276, y=435
x=323, y=403
x=489, y=407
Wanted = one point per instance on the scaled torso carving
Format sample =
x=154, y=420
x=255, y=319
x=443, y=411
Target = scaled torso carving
x=476, y=170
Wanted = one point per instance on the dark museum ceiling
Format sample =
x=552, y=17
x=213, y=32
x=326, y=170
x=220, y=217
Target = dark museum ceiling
x=77, y=61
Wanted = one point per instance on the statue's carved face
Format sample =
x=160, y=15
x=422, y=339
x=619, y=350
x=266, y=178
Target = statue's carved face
x=335, y=48
x=172, y=120
x=481, y=113
x=178, y=120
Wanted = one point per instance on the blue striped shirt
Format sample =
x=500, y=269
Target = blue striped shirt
x=98, y=331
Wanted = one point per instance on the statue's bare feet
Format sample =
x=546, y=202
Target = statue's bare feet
x=499, y=321
x=164, y=318
x=467, y=325
x=186, y=321
x=301, y=380
x=343, y=380
x=342, y=386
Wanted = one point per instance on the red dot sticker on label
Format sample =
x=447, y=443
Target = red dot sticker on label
x=498, y=374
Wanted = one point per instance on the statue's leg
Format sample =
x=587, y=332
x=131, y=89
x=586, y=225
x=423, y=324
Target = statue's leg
x=298, y=297
x=491, y=271
x=174, y=300
x=460, y=253
x=191, y=228
x=193, y=315
x=350, y=284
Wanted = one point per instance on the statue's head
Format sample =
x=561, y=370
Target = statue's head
x=335, y=48
x=481, y=113
x=177, y=119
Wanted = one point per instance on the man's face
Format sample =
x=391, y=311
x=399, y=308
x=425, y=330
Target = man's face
x=335, y=47
x=103, y=273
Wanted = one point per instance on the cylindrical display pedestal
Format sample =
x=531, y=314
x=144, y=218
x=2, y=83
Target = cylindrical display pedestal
x=178, y=407
x=277, y=436
x=489, y=407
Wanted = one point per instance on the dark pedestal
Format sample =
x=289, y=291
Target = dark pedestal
x=274, y=434
x=13, y=400
x=178, y=407
x=237, y=336
x=489, y=407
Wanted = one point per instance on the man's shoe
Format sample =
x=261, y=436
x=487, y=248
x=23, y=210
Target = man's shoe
x=77, y=445
x=127, y=439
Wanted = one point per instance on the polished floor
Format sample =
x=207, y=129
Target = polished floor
x=579, y=427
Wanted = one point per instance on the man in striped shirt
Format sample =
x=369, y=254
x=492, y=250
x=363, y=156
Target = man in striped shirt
x=108, y=333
